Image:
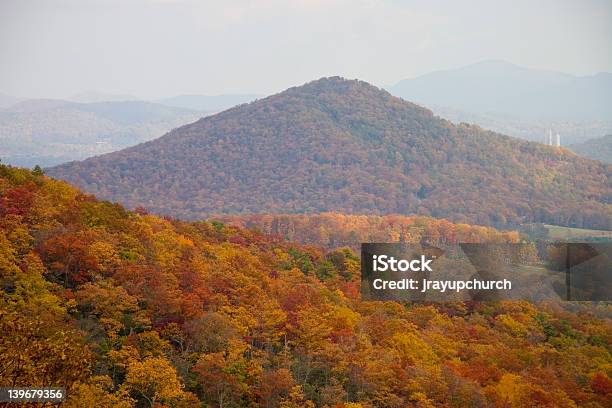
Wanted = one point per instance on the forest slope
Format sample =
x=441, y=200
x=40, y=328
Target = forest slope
x=127, y=310
x=333, y=230
x=346, y=146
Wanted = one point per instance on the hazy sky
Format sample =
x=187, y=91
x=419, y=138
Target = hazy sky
x=154, y=48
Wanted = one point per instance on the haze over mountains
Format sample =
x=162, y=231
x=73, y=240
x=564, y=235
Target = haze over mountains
x=49, y=131
x=196, y=102
x=596, y=149
x=501, y=87
x=208, y=103
x=346, y=146
x=494, y=94
x=518, y=101
x=8, y=100
x=97, y=96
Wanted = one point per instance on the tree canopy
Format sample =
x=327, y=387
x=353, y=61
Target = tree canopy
x=346, y=146
x=127, y=309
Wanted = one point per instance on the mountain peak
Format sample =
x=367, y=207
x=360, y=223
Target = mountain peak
x=346, y=98
x=343, y=145
x=336, y=84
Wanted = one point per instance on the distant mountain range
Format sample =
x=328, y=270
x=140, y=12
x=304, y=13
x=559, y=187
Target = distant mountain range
x=48, y=131
x=536, y=130
x=51, y=131
x=496, y=95
x=209, y=103
x=597, y=149
x=347, y=146
x=517, y=101
x=96, y=96
x=501, y=87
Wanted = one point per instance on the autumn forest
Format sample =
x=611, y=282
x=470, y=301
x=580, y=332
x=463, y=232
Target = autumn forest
x=129, y=309
x=347, y=146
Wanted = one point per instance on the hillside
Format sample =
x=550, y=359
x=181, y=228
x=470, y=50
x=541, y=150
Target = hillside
x=500, y=87
x=596, y=149
x=332, y=230
x=556, y=233
x=125, y=309
x=346, y=146
x=48, y=132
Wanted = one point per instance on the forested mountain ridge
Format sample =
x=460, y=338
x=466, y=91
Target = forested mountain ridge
x=126, y=309
x=346, y=146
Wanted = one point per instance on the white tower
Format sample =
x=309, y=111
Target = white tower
x=558, y=140
x=550, y=140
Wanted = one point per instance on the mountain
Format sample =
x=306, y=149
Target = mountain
x=534, y=129
x=123, y=308
x=346, y=146
x=503, y=88
x=49, y=131
x=95, y=96
x=596, y=149
x=214, y=103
